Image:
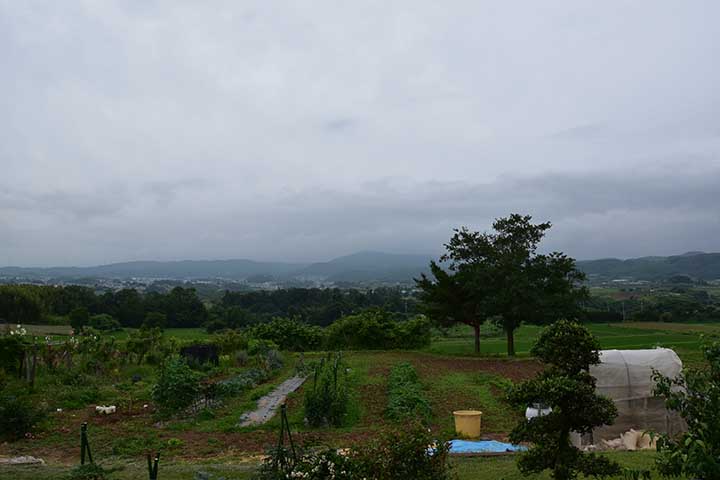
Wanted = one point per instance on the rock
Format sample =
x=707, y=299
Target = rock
x=630, y=439
x=646, y=442
x=23, y=460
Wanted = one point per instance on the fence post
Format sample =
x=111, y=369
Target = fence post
x=280, y=459
x=153, y=468
x=84, y=445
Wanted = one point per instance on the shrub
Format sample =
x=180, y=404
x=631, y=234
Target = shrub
x=241, y=358
x=215, y=325
x=177, y=389
x=79, y=318
x=230, y=342
x=238, y=384
x=401, y=455
x=568, y=349
x=406, y=400
x=18, y=416
x=104, y=322
x=11, y=352
x=326, y=401
x=89, y=471
x=321, y=465
x=155, y=320
x=273, y=360
x=289, y=334
x=414, y=333
x=378, y=330
x=143, y=341
x=696, y=396
x=260, y=346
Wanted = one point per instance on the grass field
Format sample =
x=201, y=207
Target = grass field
x=465, y=468
x=683, y=338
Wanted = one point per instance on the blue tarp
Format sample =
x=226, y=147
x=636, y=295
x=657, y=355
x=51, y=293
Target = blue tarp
x=481, y=446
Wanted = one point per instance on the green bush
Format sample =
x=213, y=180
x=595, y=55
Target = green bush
x=378, y=330
x=414, y=333
x=104, y=322
x=89, y=471
x=401, y=455
x=260, y=346
x=321, y=465
x=695, y=395
x=567, y=349
x=273, y=360
x=326, y=401
x=177, y=388
x=11, y=352
x=238, y=384
x=406, y=400
x=289, y=334
x=230, y=342
x=79, y=318
x=18, y=416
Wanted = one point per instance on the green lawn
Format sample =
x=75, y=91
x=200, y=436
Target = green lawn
x=685, y=339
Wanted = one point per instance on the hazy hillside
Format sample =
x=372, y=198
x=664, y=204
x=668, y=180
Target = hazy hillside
x=234, y=269
x=704, y=266
x=367, y=267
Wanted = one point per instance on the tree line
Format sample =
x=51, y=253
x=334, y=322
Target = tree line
x=182, y=307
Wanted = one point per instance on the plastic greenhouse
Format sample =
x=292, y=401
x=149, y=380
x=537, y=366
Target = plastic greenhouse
x=625, y=376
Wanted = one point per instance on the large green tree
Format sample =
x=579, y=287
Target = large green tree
x=501, y=275
x=454, y=296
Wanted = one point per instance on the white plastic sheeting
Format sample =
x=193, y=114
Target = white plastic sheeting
x=627, y=374
x=626, y=377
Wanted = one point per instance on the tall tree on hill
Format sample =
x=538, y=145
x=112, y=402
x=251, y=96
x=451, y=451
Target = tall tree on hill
x=452, y=297
x=500, y=275
x=525, y=285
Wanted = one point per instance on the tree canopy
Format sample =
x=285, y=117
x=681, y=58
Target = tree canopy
x=500, y=275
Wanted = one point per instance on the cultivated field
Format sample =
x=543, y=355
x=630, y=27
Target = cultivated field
x=452, y=378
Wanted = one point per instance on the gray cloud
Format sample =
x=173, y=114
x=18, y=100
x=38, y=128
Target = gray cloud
x=174, y=129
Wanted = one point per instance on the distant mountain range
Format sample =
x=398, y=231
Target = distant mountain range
x=365, y=267
x=359, y=267
x=698, y=265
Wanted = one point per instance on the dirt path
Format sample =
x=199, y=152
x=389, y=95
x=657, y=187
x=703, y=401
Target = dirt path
x=268, y=405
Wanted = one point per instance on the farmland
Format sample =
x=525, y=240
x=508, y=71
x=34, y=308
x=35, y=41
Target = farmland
x=452, y=378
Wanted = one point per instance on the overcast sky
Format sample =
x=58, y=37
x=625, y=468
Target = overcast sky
x=305, y=130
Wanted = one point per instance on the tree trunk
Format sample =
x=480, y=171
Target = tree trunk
x=510, y=342
x=477, y=338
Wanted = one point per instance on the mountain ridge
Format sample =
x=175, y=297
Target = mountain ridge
x=365, y=266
